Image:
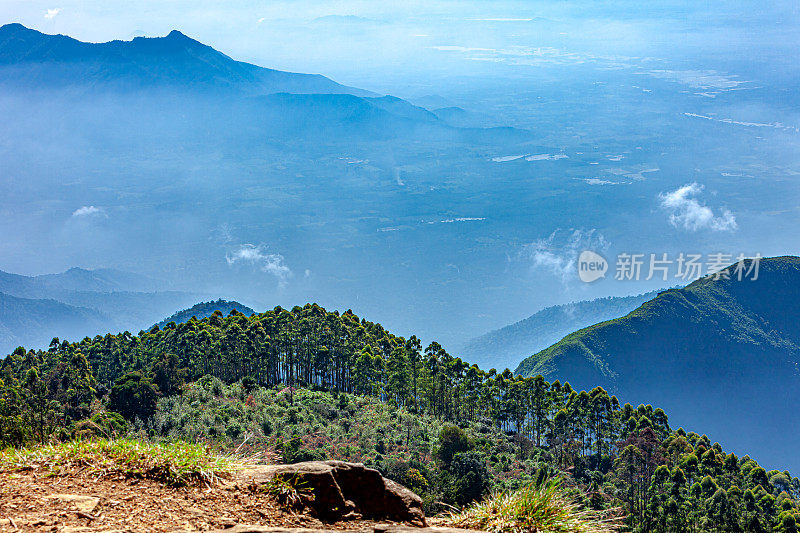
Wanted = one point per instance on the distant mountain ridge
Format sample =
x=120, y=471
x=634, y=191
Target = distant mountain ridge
x=703, y=352
x=31, y=322
x=77, y=279
x=204, y=310
x=178, y=87
x=507, y=346
x=28, y=55
x=80, y=302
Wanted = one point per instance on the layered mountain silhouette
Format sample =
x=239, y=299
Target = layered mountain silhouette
x=28, y=56
x=506, y=347
x=77, y=279
x=720, y=354
x=163, y=83
x=30, y=322
x=79, y=303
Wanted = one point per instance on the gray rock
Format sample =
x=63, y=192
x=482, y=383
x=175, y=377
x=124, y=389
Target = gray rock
x=345, y=490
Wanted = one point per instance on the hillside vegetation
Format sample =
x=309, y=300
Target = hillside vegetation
x=715, y=347
x=314, y=384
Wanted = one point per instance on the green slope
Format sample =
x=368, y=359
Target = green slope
x=703, y=352
x=507, y=346
x=742, y=313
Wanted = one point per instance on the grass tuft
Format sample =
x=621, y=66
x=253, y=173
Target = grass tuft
x=290, y=491
x=543, y=508
x=177, y=463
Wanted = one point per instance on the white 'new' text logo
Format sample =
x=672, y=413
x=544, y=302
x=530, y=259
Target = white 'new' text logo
x=591, y=266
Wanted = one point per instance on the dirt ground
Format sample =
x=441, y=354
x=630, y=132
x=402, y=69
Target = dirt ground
x=78, y=501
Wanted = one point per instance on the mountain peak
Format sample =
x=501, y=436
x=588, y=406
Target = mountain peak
x=175, y=59
x=14, y=28
x=176, y=35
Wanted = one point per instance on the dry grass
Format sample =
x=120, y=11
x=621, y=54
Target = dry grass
x=175, y=464
x=543, y=508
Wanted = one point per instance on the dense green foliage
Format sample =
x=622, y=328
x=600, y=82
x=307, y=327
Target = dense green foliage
x=313, y=384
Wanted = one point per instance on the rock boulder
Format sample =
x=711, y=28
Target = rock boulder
x=344, y=490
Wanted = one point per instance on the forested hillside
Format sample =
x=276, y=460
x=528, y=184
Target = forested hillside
x=715, y=347
x=314, y=384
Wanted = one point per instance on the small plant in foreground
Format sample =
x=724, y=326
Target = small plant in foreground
x=539, y=508
x=290, y=491
x=177, y=463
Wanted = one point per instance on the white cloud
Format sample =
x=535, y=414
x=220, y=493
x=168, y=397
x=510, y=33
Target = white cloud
x=88, y=211
x=558, y=253
x=686, y=211
x=51, y=13
x=258, y=256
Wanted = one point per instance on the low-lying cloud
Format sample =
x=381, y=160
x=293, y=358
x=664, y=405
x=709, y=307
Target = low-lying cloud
x=686, y=210
x=558, y=253
x=88, y=211
x=259, y=257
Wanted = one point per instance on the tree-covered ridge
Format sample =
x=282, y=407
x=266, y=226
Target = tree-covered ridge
x=205, y=310
x=287, y=377
x=739, y=306
x=727, y=345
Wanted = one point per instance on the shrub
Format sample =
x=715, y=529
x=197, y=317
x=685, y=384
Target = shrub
x=544, y=507
x=133, y=396
x=470, y=478
x=104, y=424
x=452, y=440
